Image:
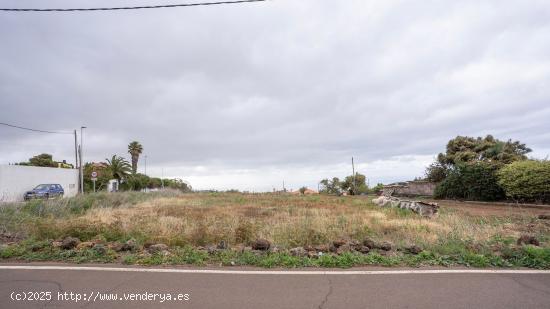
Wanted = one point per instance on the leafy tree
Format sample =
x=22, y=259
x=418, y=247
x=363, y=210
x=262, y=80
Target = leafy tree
x=177, y=184
x=464, y=149
x=118, y=167
x=135, y=149
x=471, y=181
x=376, y=189
x=526, y=180
x=357, y=187
x=103, y=177
x=436, y=172
x=44, y=160
x=137, y=182
x=331, y=186
x=155, y=182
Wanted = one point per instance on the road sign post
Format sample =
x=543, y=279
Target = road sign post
x=94, y=178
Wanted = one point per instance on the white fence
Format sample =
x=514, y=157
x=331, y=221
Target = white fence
x=15, y=180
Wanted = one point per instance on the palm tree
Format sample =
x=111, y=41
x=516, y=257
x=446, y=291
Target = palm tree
x=119, y=167
x=135, y=149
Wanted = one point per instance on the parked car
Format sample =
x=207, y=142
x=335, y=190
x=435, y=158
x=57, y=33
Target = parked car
x=45, y=191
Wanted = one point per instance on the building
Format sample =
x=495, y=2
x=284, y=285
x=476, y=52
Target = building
x=15, y=180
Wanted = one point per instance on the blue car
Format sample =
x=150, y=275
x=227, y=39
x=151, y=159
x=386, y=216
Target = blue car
x=45, y=191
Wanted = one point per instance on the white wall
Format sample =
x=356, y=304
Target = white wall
x=15, y=180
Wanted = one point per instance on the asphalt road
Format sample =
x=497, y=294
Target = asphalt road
x=272, y=290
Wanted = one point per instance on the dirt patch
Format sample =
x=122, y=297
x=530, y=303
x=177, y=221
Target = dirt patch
x=488, y=209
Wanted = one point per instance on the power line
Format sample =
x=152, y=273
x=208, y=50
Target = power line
x=34, y=130
x=133, y=7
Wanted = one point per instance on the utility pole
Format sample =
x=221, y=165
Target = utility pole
x=81, y=166
x=145, y=166
x=75, y=151
x=353, y=171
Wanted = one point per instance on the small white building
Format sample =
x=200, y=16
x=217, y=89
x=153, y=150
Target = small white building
x=15, y=180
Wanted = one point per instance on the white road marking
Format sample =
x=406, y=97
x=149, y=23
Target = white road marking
x=279, y=272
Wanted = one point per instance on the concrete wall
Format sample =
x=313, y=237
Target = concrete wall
x=412, y=188
x=15, y=180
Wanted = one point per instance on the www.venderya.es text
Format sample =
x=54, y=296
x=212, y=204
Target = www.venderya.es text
x=94, y=296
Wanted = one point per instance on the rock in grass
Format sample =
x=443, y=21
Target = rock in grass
x=261, y=244
x=156, y=248
x=363, y=249
x=130, y=245
x=544, y=217
x=322, y=248
x=414, y=249
x=85, y=245
x=367, y=242
x=386, y=246
x=343, y=249
x=100, y=249
x=222, y=245
x=274, y=249
x=57, y=244
x=69, y=243
x=338, y=243
x=528, y=240
x=355, y=245
x=212, y=249
x=115, y=246
x=298, y=251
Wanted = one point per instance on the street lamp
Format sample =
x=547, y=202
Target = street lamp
x=81, y=166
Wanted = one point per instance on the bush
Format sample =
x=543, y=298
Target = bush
x=526, y=180
x=472, y=181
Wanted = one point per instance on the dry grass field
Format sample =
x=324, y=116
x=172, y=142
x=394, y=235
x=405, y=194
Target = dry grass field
x=187, y=223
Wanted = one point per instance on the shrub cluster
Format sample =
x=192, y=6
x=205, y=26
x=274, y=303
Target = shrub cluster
x=526, y=181
x=475, y=181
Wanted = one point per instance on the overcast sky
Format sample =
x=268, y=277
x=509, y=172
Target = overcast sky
x=246, y=96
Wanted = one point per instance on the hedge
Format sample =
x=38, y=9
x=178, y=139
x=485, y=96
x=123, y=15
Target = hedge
x=527, y=181
x=471, y=181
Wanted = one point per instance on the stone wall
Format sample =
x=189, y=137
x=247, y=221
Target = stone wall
x=411, y=188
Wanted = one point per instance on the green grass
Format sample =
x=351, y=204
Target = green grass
x=288, y=221
x=454, y=255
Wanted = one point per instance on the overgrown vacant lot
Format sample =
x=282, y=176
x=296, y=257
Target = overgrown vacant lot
x=302, y=230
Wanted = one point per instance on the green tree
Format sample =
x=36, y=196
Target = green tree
x=526, y=180
x=135, y=149
x=355, y=185
x=462, y=149
x=471, y=181
x=118, y=167
x=436, y=172
x=137, y=182
x=377, y=189
x=103, y=177
x=44, y=160
x=330, y=186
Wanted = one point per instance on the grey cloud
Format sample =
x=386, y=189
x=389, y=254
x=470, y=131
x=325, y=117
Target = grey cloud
x=277, y=85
